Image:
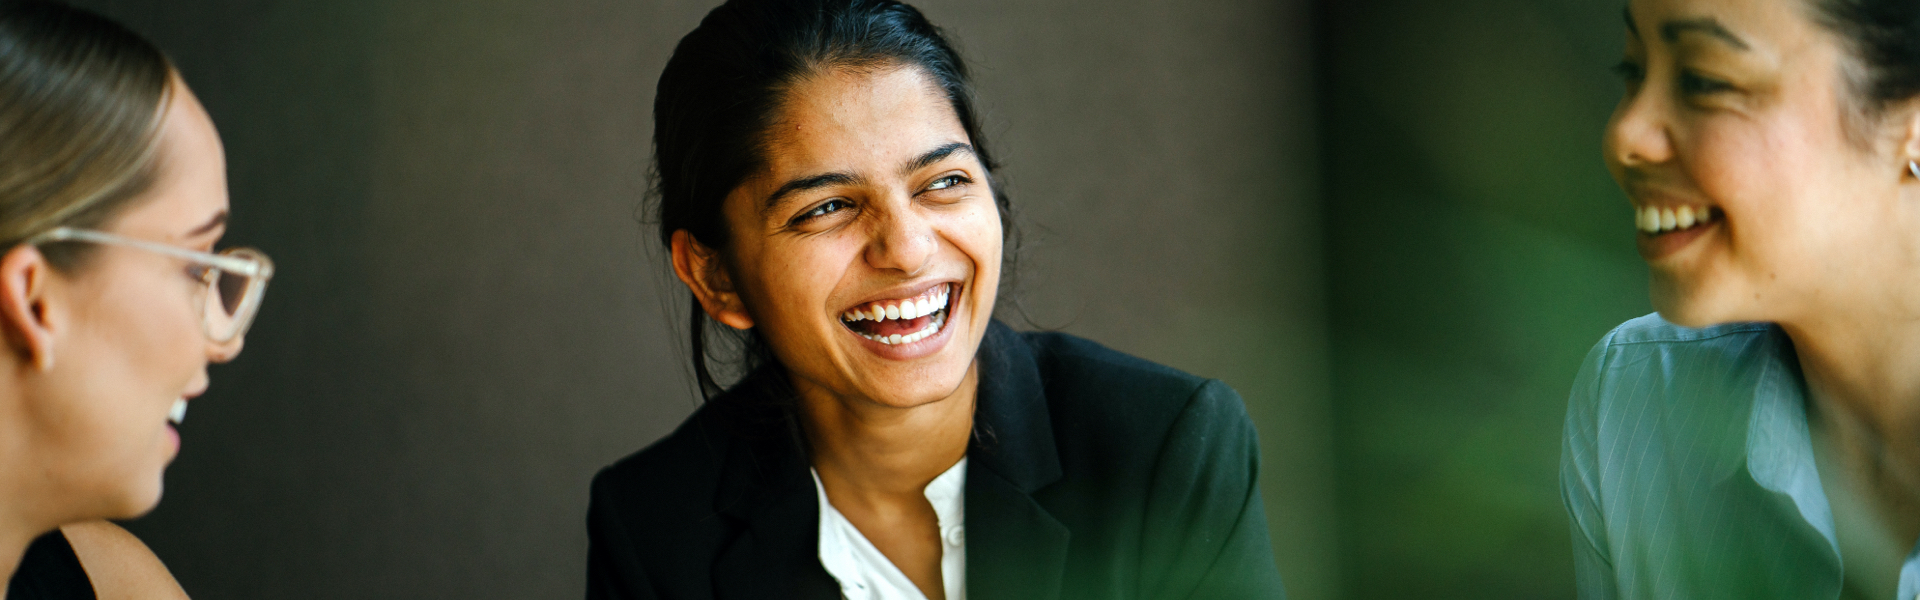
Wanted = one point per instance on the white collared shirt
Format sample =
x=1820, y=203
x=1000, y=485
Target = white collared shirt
x=866, y=574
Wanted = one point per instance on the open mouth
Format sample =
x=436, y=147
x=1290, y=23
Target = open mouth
x=1659, y=220
x=178, y=413
x=901, y=321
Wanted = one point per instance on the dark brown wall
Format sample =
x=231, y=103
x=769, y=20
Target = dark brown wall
x=469, y=319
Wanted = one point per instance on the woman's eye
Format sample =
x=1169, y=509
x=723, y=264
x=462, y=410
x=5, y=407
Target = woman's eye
x=198, y=272
x=1695, y=85
x=947, y=182
x=1629, y=72
x=824, y=209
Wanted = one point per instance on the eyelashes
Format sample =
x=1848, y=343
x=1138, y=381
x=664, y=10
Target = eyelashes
x=835, y=205
x=1629, y=72
x=825, y=208
x=1688, y=83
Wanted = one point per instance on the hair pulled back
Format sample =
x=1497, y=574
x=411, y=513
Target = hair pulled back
x=721, y=92
x=80, y=105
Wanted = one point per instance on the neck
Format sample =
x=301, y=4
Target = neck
x=1867, y=365
x=869, y=451
x=23, y=514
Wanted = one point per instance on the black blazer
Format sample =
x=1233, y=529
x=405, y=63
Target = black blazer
x=1092, y=474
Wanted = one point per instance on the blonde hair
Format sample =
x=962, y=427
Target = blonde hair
x=80, y=105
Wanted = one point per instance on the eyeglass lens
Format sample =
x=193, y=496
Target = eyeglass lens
x=233, y=298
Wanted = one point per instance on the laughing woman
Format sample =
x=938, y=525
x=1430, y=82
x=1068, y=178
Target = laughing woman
x=827, y=197
x=112, y=195
x=1760, y=436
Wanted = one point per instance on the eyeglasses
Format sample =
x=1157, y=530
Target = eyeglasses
x=236, y=278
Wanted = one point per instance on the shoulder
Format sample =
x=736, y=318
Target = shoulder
x=119, y=564
x=1656, y=395
x=1649, y=358
x=1074, y=368
x=676, y=474
x=1110, y=405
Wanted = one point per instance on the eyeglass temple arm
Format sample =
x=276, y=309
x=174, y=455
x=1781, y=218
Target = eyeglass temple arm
x=238, y=266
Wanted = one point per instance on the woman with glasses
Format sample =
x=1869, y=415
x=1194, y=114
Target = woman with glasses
x=1760, y=436
x=112, y=300
x=827, y=197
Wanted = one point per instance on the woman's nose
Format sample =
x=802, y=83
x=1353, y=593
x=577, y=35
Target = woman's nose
x=1638, y=135
x=904, y=241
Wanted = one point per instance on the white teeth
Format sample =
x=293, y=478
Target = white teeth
x=178, y=413
x=906, y=309
x=1656, y=220
x=932, y=327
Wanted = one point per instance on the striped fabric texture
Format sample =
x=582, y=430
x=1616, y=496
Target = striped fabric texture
x=1688, y=471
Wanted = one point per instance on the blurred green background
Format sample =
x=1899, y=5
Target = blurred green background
x=1476, y=248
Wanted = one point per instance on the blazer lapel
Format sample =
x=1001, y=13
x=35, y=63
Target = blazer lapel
x=1015, y=548
x=765, y=487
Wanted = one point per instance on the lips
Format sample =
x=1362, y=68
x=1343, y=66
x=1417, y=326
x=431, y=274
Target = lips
x=1665, y=230
x=900, y=321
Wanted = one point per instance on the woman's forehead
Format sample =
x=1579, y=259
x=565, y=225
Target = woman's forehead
x=189, y=185
x=844, y=116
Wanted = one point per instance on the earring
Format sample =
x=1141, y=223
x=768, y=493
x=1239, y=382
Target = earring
x=1914, y=168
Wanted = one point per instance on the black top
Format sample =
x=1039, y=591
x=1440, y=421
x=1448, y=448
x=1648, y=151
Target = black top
x=50, y=571
x=1091, y=474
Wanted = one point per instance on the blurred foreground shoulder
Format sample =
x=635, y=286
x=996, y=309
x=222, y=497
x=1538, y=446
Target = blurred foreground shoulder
x=119, y=564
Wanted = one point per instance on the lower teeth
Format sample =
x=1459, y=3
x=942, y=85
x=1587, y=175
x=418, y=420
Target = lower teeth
x=933, y=326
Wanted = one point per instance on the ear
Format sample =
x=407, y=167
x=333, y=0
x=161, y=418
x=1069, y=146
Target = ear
x=703, y=271
x=26, y=315
x=1910, y=138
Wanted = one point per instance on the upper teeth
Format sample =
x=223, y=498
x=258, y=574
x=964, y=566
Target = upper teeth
x=178, y=413
x=1652, y=219
x=911, y=308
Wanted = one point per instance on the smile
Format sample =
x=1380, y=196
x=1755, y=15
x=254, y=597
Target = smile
x=178, y=413
x=901, y=321
x=1657, y=220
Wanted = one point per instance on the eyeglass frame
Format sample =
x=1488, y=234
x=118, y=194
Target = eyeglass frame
x=261, y=269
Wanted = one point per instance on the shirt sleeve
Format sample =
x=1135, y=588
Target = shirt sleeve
x=1206, y=530
x=1593, y=568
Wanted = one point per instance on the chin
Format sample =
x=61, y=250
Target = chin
x=923, y=387
x=138, y=502
x=1688, y=303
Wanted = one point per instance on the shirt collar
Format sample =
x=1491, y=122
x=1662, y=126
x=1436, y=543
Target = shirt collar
x=1779, y=448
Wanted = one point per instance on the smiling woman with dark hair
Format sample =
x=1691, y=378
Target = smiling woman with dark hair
x=827, y=197
x=1760, y=436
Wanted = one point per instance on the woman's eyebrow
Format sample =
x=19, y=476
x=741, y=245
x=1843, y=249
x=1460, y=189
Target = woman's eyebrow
x=218, y=220
x=936, y=155
x=803, y=184
x=1671, y=30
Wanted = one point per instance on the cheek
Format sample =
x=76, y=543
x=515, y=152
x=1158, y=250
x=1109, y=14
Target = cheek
x=147, y=334
x=1763, y=176
x=795, y=279
x=976, y=232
